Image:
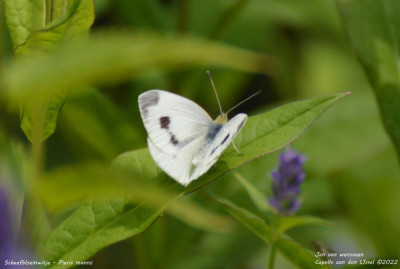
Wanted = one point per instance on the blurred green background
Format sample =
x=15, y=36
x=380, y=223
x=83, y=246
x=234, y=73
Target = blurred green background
x=352, y=172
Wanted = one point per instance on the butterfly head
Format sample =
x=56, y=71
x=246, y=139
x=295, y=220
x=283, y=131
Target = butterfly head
x=221, y=119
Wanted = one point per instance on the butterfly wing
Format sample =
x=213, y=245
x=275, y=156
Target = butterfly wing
x=177, y=166
x=176, y=129
x=217, y=140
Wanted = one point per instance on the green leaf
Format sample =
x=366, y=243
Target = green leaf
x=112, y=57
x=76, y=22
x=286, y=223
x=251, y=221
x=64, y=188
x=86, y=119
x=56, y=8
x=262, y=134
x=23, y=17
x=289, y=248
x=105, y=221
x=269, y=132
x=94, y=226
x=39, y=113
x=258, y=198
x=373, y=30
x=360, y=129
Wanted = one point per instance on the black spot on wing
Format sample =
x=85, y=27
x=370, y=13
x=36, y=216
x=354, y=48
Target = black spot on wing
x=220, y=144
x=226, y=138
x=213, y=131
x=148, y=99
x=214, y=149
x=173, y=139
x=164, y=122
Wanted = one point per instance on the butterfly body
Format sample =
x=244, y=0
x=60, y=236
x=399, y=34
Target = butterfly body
x=183, y=139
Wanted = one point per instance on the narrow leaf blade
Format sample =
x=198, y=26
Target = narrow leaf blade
x=373, y=31
x=287, y=223
x=258, y=198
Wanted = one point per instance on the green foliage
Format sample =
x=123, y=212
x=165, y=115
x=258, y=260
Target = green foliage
x=256, y=196
x=23, y=17
x=263, y=133
x=61, y=29
x=74, y=23
x=274, y=129
x=111, y=57
x=87, y=189
x=268, y=132
x=293, y=251
x=88, y=117
x=373, y=30
x=92, y=226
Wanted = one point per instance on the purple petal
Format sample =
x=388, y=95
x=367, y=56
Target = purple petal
x=286, y=182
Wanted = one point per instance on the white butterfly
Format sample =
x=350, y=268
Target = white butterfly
x=183, y=139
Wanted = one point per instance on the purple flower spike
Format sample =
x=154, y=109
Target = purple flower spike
x=286, y=182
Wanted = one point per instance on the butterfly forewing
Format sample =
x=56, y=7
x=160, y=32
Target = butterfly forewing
x=172, y=121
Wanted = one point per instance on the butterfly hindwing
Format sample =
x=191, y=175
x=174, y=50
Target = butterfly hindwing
x=177, y=166
x=216, y=143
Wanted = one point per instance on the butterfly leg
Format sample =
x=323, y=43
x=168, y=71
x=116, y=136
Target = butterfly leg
x=234, y=146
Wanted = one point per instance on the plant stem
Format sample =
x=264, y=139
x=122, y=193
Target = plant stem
x=271, y=256
x=34, y=224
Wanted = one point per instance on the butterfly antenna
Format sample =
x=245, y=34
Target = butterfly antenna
x=215, y=91
x=247, y=99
